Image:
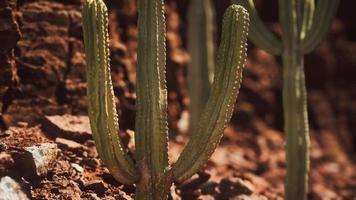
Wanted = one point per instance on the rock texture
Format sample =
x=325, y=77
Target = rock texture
x=9, y=36
x=67, y=126
x=11, y=190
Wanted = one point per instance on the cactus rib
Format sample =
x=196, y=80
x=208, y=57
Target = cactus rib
x=324, y=13
x=219, y=108
x=102, y=111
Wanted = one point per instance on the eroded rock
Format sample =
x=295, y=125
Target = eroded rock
x=35, y=161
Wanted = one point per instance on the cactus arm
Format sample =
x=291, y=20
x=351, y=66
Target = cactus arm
x=201, y=48
x=102, y=111
x=324, y=13
x=219, y=108
x=151, y=118
x=259, y=33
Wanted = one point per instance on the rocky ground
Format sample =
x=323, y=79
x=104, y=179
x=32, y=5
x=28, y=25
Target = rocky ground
x=46, y=149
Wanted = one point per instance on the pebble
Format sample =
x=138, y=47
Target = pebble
x=77, y=167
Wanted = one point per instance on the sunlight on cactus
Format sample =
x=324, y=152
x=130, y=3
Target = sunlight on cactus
x=151, y=171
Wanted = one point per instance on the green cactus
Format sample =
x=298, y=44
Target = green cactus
x=201, y=29
x=303, y=26
x=151, y=171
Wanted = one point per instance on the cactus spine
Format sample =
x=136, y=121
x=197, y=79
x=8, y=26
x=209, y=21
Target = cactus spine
x=303, y=28
x=151, y=172
x=201, y=20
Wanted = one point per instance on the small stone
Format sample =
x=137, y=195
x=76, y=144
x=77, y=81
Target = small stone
x=35, y=161
x=97, y=186
x=77, y=167
x=68, y=126
x=11, y=190
x=22, y=124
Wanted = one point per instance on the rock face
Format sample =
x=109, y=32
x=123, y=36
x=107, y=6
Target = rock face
x=11, y=190
x=44, y=49
x=9, y=35
x=49, y=70
x=9, y=30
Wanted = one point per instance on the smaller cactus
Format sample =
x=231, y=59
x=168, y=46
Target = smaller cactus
x=201, y=29
x=303, y=26
x=150, y=171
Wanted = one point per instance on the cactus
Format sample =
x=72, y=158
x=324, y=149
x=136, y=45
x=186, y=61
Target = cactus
x=150, y=170
x=303, y=26
x=201, y=20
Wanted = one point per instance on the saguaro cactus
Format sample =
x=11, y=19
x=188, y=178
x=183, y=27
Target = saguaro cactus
x=201, y=21
x=303, y=28
x=150, y=171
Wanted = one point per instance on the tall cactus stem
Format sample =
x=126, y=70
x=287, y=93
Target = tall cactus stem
x=151, y=119
x=295, y=126
x=218, y=111
x=201, y=20
x=294, y=102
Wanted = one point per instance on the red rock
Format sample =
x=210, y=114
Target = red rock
x=35, y=161
x=67, y=126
